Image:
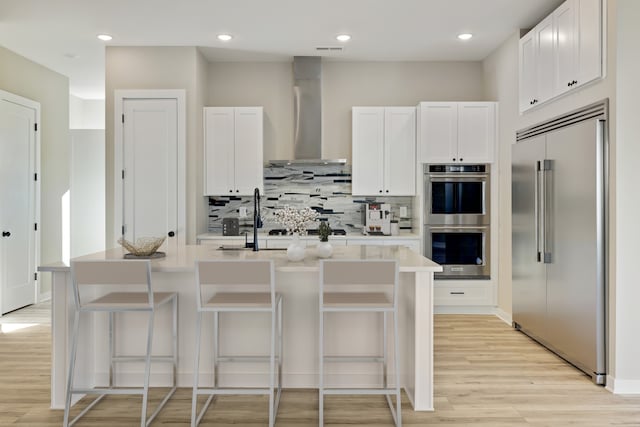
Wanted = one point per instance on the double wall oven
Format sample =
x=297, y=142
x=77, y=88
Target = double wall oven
x=458, y=219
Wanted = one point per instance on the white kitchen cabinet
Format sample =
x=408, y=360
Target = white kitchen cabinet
x=233, y=150
x=306, y=241
x=463, y=294
x=562, y=52
x=383, y=151
x=537, y=59
x=457, y=132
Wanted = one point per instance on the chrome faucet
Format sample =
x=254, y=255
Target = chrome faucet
x=257, y=221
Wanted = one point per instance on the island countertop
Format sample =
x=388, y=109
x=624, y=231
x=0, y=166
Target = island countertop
x=183, y=258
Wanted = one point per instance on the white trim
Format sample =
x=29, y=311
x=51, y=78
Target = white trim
x=25, y=102
x=119, y=97
x=506, y=317
x=622, y=386
x=464, y=309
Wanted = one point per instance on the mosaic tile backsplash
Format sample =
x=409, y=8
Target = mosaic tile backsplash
x=326, y=188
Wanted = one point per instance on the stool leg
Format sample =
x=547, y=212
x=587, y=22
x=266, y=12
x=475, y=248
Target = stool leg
x=112, y=348
x=196, y=370
x=280, y=351
x=384, y=350
x=272, y=367
x=147, y=372
x=216, y=347
x=175, y=341
x=321, y=372
x=396, y=356
x=72, y=363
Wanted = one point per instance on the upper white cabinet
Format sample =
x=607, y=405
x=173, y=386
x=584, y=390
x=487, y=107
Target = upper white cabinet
x=383, y=151
x=562, y=53
x=456, y=132
x=233, y=150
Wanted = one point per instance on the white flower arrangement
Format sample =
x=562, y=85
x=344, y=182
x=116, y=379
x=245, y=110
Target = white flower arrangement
x=295, y=220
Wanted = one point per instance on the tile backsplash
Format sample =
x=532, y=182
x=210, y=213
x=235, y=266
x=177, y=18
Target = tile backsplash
x=325, y=188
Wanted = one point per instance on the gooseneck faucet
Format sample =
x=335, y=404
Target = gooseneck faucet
x=257, y=221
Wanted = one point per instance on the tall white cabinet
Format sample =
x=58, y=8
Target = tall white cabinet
x=562, y=53
x=233, y=146
x=456, y=132
x=384, y=151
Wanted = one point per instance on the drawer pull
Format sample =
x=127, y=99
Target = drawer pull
x=456, y=293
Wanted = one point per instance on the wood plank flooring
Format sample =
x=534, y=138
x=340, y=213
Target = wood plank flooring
x=486, y=374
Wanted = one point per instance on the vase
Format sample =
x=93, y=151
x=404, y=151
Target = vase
x=295, y=250
x=324, y=249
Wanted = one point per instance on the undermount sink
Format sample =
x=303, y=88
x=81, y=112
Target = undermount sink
x=242, y=248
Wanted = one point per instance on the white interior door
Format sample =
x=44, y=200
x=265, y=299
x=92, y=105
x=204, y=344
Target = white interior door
x=17, y=205
x=150, y=178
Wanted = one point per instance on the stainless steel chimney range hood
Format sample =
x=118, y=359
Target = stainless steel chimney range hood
x=307, y=110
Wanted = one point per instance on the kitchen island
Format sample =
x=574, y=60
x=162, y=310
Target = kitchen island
x=298, y=282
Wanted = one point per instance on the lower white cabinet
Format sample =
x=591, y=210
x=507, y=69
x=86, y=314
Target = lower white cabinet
x=413, y=244
x=470, y=293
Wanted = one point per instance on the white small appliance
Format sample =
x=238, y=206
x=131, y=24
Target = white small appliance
x=377, y=219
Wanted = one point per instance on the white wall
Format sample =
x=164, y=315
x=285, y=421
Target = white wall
x=157, y=68
x=87, y=208
x=86, y=113
x=23, y=77
x=626, y=203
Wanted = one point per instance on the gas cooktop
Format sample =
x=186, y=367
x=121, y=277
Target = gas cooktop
x=310, y=232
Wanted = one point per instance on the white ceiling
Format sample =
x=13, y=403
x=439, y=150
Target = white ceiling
x=61, y=34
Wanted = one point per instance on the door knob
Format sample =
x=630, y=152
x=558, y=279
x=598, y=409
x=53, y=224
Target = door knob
x=171, y=233
x=6, y=233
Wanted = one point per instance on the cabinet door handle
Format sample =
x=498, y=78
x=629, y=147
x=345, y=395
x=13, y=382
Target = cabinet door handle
x=6, y=234
x=237, y=191
x=230, y=191
x=387, y=191
x=380, y=191
x=171, y=233
x=456, y=293
x=461, y=159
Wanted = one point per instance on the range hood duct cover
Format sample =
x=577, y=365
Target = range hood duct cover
x=307, y=111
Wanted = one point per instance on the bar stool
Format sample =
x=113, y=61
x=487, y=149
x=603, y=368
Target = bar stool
x=337, y=280
x=110, y=275
x=256, y=278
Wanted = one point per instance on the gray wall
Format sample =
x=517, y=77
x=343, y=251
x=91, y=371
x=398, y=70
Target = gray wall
x=344, y=85
x=25, y=78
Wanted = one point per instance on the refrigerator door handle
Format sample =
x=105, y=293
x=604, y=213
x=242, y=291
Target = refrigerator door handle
x=536, y=211
x=546, y=215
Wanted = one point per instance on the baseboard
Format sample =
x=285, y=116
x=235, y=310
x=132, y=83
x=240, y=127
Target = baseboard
x=506, y=317
x=44, y=297
x=622, y=386
x=463, y=309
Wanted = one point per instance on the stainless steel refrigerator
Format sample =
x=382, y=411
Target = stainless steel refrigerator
x=559, y=185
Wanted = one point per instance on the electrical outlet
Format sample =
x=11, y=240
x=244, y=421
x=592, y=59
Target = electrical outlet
x=242, y=212
x=403, y=211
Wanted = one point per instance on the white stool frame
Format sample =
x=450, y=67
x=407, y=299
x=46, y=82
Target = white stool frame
x=140, y=270
x=275, y=308
x=352, y=278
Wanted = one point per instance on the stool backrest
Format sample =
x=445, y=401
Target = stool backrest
x=111, y=274
x=235, y=273
x=359, y=273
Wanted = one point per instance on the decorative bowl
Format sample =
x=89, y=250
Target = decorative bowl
x=144, y=246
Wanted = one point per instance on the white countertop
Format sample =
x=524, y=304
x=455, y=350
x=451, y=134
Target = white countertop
x=182, y=258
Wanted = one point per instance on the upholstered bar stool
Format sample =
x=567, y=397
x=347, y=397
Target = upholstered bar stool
x=338, y=279
x=113, y=275
x=238, y=286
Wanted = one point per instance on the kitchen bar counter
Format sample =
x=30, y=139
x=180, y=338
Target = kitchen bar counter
x=298, y=282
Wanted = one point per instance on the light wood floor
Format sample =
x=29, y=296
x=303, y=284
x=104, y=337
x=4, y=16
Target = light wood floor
x=486, y=374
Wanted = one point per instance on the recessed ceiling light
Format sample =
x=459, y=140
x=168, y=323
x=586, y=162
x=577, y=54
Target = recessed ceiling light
x=104, y=37
x=343, y=37
x=465, y=36
x=224, y=37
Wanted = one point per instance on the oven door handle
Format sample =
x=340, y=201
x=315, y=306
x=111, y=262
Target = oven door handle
x=457, y=228
x=438, y=178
